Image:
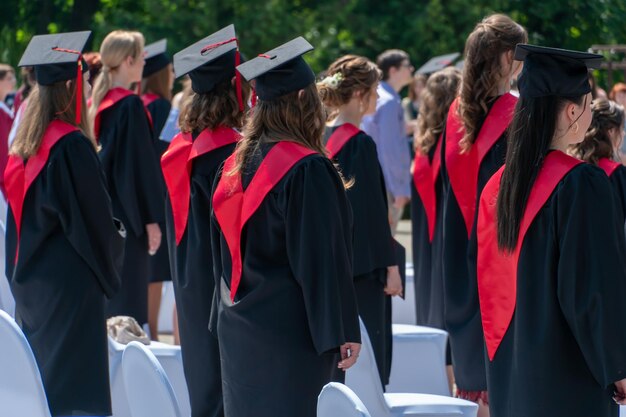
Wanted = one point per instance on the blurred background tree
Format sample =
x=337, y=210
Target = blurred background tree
x=424, y=28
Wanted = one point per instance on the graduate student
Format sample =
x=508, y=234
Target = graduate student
x=473, y=149
x=282, y=241
x=158, y=80
x=441, y=89
x=349, y=93
x=64, y=250
x=123, y=130
x=551, y=267
x=602, y=142
x=209, y=119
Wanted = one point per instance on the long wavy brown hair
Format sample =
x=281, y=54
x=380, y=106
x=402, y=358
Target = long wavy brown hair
x=441, y=89
x=293, y=117
x=359, y=75
x=597, y=144
x=215, y=108
x=482, y=71
x=46, y=103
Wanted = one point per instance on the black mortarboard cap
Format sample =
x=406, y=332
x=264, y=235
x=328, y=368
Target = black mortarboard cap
x=554, y=72
x=55, y=57
x=438, y=63
x=280, y=71
x=209, y=61
x=156, y=57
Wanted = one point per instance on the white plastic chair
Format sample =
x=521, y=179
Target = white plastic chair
x=166, y=311
x=21, y=389
x=169, y=357
x=337, y=400
x=7, y=303
x=147, y=387
x=403, y=310
x=419, y=360
x=364, y=380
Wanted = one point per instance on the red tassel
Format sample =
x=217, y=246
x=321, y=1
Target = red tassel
x=253, y=99
x=79, y=91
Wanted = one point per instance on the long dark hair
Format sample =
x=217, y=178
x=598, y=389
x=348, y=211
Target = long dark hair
x=530, y=136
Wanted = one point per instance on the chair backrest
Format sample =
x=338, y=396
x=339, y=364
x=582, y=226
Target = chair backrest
x=337, y=400
x=21, y=389
x=364, y=380
x=148, y=390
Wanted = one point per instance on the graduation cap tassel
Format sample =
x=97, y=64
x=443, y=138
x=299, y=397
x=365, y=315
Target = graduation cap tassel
x=79, y=82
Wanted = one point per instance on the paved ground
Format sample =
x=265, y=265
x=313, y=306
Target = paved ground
x=403, y=235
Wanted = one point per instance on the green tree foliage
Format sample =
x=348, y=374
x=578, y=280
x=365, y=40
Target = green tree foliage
x=424, y=28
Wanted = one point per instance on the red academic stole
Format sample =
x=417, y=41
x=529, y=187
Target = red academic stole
x=233, y=206
x=19, y=177
x=148, y=98
x=110, y=99
x=340, y=137
x=425, y=178
x=608, y=166
x=463, y=167
x=497, y=270
x=177, y=162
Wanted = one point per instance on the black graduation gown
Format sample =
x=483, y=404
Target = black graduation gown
x=372, y=244
x=564, y=347
x=295, y=303
x=192, y=275
x=131, y=167
x=462, y=311
x=159, y=263
x=427, y=265
x=70, y=257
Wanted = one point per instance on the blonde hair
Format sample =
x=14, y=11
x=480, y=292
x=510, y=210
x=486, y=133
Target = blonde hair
x=493, y=36
x=115, y=48
x=441, y=89
x=347, y=75
x=46, y=103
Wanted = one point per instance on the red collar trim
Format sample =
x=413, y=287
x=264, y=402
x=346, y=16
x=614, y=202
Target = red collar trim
x=233, y=206
x=463, y=168
x=497, y=271
x=340, y=137
x=425, y=177
x=176, y=164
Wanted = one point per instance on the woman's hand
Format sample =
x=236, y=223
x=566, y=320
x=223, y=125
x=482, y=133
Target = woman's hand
x=394, y=281
x=349, y=354
x=154, y=237
x=620, y=392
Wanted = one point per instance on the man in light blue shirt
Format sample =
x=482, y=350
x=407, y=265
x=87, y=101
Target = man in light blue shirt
x=388, y=129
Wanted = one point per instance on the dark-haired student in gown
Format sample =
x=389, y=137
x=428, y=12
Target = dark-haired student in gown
x=284, y=307
x=441, y=89
x=63, y=247
x=209, y=119
x=551, y=265
x=123, y=129
x=349, y=92
x=602, y=142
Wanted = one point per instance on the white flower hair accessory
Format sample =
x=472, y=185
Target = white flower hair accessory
x=333, y=81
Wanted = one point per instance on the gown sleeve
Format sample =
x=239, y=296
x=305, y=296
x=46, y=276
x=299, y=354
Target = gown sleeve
x=85, y=212
x=319, y=249
x=373, y=242
x=591, y=276
x=137, y=172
